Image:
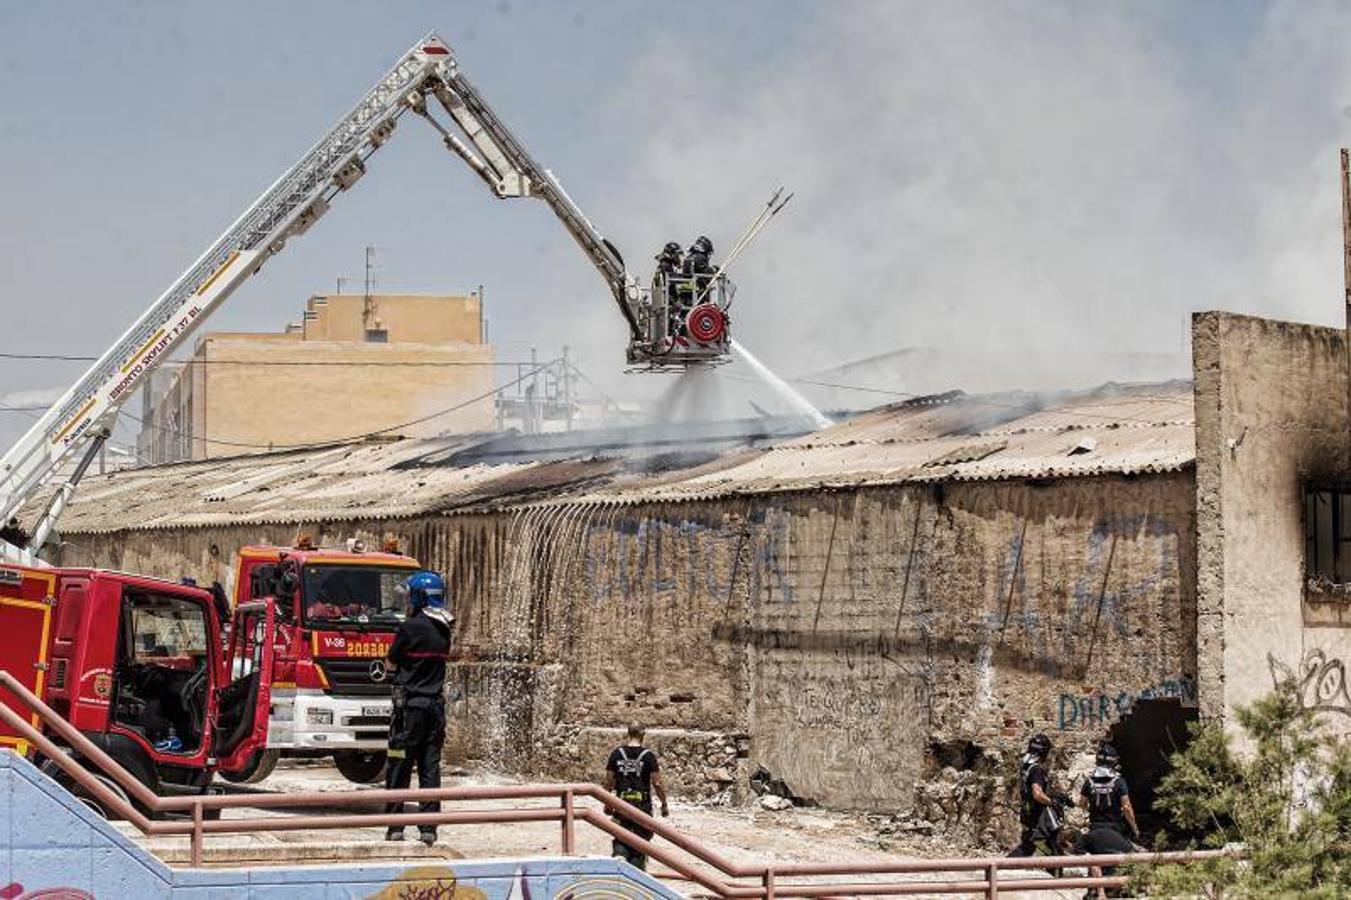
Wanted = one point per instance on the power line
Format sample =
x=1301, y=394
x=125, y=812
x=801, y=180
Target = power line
x=351, y=438
x=47, y=357
x=851, y=387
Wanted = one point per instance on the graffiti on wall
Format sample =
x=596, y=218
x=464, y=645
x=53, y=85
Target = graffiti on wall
x=15, y=891
x=1104, y=707
x=632, y=558
x=1106, y=592
x=1321, y=681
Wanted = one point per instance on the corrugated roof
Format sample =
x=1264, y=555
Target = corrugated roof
x=952, y=437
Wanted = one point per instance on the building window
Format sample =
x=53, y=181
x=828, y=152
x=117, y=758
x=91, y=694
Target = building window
x=377, y=336
x=1327, y=535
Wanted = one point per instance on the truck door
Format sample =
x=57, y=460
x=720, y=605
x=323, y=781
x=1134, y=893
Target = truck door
x=25, y=623
x=242, y=705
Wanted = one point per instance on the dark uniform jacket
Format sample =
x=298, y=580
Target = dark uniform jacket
x=420, y=650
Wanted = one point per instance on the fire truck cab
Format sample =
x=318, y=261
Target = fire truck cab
x=138, y=666
x=337, y=612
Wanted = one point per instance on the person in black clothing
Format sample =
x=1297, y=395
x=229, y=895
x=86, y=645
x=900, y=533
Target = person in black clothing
x=669, y=261
x=417, y=725
x=1108, y=800
x=698, y=259
x=1040, y=810
x=678, y=295
x=632, y=773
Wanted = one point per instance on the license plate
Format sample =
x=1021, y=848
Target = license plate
x=375, y=710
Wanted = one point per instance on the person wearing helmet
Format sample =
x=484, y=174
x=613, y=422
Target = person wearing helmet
x=1109, y=811
x=677, y=292
x=669, y=259
x=417, y=725
x=698, y=261
x=1040, y=811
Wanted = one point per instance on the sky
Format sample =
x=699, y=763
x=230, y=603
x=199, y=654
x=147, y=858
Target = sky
x=1034, y=190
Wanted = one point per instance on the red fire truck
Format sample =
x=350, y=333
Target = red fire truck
x=337, y=611
x=138, y=665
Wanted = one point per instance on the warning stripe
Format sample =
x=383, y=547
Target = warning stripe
x=206, y=285
x=144, y=347
x=76, y=418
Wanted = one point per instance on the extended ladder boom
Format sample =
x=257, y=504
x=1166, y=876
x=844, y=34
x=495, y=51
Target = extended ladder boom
x=511, y=172
x=88, y=410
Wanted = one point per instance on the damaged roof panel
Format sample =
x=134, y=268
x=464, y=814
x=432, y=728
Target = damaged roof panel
x=1113, y=430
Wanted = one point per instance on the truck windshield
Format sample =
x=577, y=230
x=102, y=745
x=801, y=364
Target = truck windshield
x=354, y=594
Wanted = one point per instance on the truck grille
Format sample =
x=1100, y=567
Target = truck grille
x=352, y=678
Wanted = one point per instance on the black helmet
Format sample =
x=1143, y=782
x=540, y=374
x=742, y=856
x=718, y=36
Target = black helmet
x=702, y=245
x=671, y=249
x=1040, y=745
x=1107, y=756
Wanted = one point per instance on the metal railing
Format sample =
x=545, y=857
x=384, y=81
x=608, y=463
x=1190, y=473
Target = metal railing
x=717, y=874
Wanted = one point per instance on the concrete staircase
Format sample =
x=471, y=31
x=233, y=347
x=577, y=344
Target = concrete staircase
x=50, y=841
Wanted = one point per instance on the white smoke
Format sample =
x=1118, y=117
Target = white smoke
x=1038, y=190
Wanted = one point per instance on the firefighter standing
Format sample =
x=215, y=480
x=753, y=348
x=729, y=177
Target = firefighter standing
x=698, y=261
x=1040, y=811
x=677, y=296
x=669, y=260
x=632, y=774
x=1109, y=810
x=417, y=725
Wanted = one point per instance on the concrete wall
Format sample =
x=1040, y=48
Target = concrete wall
x=58, y=848
x=325, y=381
x=845, y=642
x=1271, y=417
x=245, y=397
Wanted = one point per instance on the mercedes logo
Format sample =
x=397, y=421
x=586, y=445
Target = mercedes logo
x=378, y=670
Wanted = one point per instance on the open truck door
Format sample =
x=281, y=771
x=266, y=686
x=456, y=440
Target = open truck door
x=26, y=599
x=241, y=707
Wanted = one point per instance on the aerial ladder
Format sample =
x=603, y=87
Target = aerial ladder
x=82, y=419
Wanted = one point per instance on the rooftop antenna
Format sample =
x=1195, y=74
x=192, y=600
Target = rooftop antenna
x=368, y=306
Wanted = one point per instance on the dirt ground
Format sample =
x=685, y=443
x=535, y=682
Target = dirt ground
x=749, y=834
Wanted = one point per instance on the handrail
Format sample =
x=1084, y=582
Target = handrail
x=567, y=814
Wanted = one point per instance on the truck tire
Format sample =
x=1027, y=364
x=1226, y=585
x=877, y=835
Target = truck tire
x=360, y=766
x=259, y=766
x=57, y=774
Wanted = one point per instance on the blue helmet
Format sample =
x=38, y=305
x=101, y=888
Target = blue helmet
x=426, y=589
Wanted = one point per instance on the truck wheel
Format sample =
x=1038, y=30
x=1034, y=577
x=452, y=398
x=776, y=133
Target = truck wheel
x=259, y=766
x=360, y=766
x=57, y=774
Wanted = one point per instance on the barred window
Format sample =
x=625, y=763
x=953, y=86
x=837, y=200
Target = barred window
x=1327, y=534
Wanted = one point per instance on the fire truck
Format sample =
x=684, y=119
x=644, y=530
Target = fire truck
x=337, y=612
x=140, y=666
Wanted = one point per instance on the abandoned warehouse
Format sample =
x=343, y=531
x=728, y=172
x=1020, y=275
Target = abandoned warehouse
x=874, y=616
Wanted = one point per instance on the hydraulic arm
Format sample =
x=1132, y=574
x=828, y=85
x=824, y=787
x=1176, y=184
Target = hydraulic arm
x=88, y=409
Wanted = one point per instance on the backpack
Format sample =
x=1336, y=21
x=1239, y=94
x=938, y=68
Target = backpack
x=629, y=782
x=1102, y=796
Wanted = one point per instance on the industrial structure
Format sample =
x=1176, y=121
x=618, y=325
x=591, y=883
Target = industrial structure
x=390, y=359
x=988, y=566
